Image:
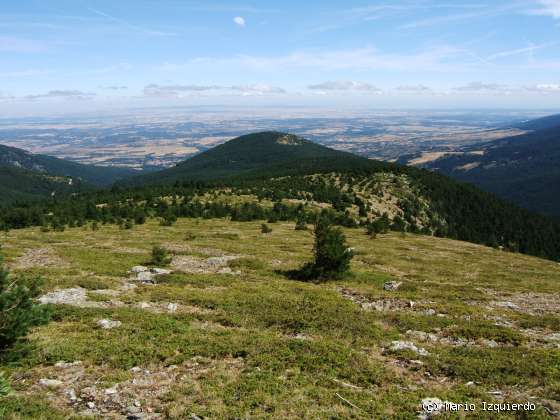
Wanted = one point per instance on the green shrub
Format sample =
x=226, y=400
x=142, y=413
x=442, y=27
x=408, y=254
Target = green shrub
x=332, y=255
x=18, y=310
x=160, y=256
x=301, y=223
x=5, y=388
x=379, y=225
x=168, y=219
x=189, y=236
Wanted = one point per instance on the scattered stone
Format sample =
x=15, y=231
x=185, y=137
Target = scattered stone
x=408, y=345
x=111, y=391
x=71, y=394
x=136, y=369
x=75, y=296
x=108, y=324
x=508, y=305
x=423, y=336
x=138, y=269
x=172, y=308
x=429, y=312
x=39, y=257
x=50, y=383
x=470, y=383
x=212, y=265
x=66, y=365
x=430, y=407
x=392, y=285
x=90, y=405
x=489, y=343
x=160, y=271
x=145, y=277
x=553, y=337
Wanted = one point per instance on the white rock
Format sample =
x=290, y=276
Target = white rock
x=553, y=337
x=138, y=269
x=91, y=405
x=73, y=296
x=429, y=312
x=160, y=271
x=423, y=336
x=71, y=394
x=111, y=391
x=50, y=383
x=65, y=365
x=172, y=308
x=489, y=343
x=145, y=276
x=507, y=304
x=107, y=324
x=392, y=285
x=407, y=345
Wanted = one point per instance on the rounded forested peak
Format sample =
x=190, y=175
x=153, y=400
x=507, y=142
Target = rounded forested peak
x=272, y=137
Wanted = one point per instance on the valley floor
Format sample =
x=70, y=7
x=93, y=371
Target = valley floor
x=228, y=335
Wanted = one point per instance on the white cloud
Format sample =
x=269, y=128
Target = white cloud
x=238, y=20
x=482, y=87
x=114, y=87
x=413, y=88
x=64, y=94
x=547, y=8
x=178, y=91
x=344, y=85
x=544, y=88
x=258, y=89
x=174, y=90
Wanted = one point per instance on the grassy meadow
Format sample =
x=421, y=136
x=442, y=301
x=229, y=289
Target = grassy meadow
x=251, y=343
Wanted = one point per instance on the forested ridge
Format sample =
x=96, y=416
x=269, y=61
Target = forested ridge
x=354, y=190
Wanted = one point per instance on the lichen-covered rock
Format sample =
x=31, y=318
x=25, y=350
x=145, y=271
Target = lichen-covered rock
x=392, y=285
x=408, y=345
x=108, y=324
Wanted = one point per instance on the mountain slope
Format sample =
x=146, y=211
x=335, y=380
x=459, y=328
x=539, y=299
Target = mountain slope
x=248, y=155
x=95, y=175
x=524, y=169
x=274, y=176
x=256, y=344
x=17, y=184
x=26, y=176
x=549, y=121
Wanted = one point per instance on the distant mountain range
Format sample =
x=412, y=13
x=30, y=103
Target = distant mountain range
x=25, y=175
x=523, y=169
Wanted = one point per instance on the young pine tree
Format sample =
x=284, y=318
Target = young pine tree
x=18, y=309
x=332, y=255
x=301, y=223
x=160, y=256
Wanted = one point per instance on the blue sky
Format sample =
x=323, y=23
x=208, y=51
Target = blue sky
x=98, y=54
